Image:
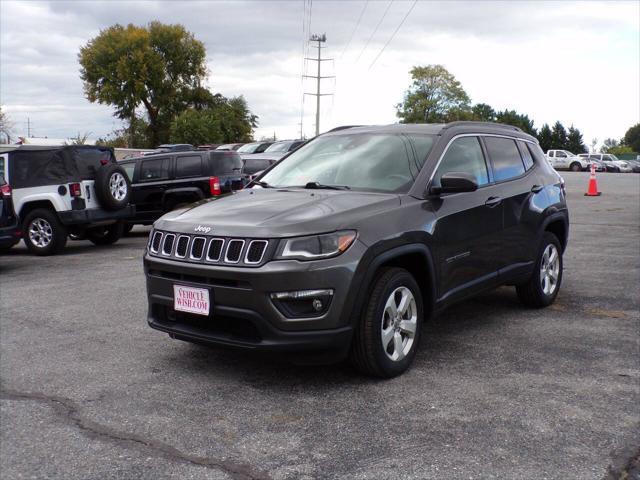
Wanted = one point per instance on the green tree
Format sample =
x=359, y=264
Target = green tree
x=620, y=150
x=632, y=138
x=434, y=96
x=558, y=136
x=545, y=137
x=223, y=121
x=6, y=127
x=511, y=117
x=482, y=112
x=157, y=67
x=575, y=143
x=80, y=139
x=121, y=138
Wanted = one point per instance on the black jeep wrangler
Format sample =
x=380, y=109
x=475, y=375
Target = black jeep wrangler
x=347, y=245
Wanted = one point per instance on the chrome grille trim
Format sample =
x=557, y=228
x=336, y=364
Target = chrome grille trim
x=246, y=256
x=204, y=248
x=159, y=242
x=164, y=242
x=186, y=249
x=226, y=253
x=209, y=259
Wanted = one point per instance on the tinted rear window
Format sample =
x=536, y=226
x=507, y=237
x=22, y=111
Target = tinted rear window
x=89, y=160
x=505, y=157
x=189, y=166
x=253, y=166
x=154, y=169
x=224, y=163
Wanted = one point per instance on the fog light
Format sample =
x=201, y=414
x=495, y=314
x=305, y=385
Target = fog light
x=302, y=303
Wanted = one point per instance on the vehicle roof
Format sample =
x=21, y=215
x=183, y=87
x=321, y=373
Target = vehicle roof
x=436, y=129
x=39, y=148
x=185, y=153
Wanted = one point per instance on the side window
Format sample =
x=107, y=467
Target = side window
x=536, y=152
x=526, y=155
x=504, y=157
x=156, y=169
x=561, y=155
x=464, y=155
x=129, y=168
x=190, y=166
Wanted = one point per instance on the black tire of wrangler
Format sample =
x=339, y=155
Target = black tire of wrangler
x=107, y=235
x=367, y=354
x=103, y=192
x=58, y=232
x=530, y=293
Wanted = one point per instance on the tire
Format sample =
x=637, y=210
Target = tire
x=534, y=293
x=113, y=187
x=106, y=235
x=575, y=167
x=43, y=233
x=368, y=355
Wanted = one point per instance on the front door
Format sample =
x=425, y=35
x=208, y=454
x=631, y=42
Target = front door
x=469, y=225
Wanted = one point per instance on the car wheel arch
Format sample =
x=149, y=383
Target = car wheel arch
x=414, y=257
x=33, y=205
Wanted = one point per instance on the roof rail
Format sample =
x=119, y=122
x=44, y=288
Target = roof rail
x=461, y=123
x=342, y=127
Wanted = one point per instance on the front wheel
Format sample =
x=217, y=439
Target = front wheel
x=575, y=167
x=106, y=235
x=542, y=288
x=43, y=232
x=388, y=333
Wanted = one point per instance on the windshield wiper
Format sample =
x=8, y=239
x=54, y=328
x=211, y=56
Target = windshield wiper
x=318, y=185
x=261, y=183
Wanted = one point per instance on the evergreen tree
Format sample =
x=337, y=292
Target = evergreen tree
x=558, y=137
x=511, y=117
x=483, y=113
x=544, y=137
x=575, y=143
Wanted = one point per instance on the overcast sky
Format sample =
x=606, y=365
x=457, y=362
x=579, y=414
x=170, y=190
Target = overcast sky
x=577, y=62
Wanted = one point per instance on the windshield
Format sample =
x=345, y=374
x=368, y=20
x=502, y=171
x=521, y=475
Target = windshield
x=360, y=161
x=248, y=148
x=278, y=147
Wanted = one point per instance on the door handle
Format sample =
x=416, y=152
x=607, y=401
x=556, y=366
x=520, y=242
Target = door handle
x=537, y=188
x=493, y=201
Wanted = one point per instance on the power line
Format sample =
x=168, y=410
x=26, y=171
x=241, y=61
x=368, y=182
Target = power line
x=355, y=28
x=375, y=29
x=394, y=33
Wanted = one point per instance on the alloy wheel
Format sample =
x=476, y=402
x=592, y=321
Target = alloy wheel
x=118, y=186
x=399, y=324
x=549, y=269
x=40, y=232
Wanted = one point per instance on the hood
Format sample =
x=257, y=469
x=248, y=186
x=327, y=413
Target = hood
x=275, y=213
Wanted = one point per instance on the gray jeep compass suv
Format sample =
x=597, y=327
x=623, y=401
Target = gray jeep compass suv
x=345, y=246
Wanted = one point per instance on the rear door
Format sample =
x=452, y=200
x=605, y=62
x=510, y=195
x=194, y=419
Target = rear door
x=227, y=166
x=469, y=225
x=152, y=177
x=512, y=166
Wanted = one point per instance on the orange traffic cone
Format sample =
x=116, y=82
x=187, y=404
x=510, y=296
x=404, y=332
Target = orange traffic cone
x=592, y=191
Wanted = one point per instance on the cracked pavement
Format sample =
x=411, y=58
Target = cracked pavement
x=88, y=391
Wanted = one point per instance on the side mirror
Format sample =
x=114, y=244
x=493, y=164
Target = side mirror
x=455, y=182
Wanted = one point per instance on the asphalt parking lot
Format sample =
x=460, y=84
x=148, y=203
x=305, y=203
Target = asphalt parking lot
x=88, y=391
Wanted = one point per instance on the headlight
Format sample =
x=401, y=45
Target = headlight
x=315, y=247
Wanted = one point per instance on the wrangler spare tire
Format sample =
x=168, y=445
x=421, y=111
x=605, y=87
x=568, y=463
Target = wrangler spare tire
x=113, y=187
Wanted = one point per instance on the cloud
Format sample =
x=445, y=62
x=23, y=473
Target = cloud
x=573, y=61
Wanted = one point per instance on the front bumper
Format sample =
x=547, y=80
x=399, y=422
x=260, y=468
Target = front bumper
x=95, y=215
x=243, y=313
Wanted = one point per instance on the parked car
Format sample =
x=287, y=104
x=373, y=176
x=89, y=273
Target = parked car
x=163, y=182
x=565, y=160
x=345, y=246
x=63, y=191
x=253, y=148
x=253, y=164
x=175, y=147
x=230, y=146
x=634, y=164
x=208, y=146
x=612, y=162
x=10, y=232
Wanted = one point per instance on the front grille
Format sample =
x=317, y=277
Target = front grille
x=167, y=246
x=234, y=249
x=207, y=250
x=181, y=247
x=197, y=248
x=155, y=242
x=255, y=251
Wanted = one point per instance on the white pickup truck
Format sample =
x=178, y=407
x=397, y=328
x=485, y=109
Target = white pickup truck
x=565, y=160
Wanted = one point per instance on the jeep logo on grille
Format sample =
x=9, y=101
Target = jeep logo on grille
x=202, y=229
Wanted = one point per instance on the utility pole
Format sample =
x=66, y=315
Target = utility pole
x=28, y=127
x=320, y=39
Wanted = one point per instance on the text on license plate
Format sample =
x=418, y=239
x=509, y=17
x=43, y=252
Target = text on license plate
x=191, y=300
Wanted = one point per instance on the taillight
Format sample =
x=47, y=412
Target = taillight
x=75, y=189
x=214, y=186
x=5, y=190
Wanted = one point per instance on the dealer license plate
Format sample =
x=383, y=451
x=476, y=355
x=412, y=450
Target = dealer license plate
x=191, y=300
